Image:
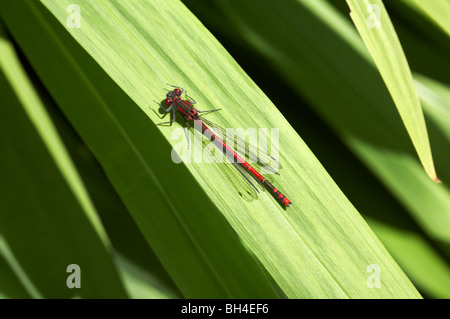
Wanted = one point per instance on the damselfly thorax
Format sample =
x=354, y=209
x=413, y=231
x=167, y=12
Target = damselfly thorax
x=183, y=106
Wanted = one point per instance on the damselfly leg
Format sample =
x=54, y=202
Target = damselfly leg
x=174, y=112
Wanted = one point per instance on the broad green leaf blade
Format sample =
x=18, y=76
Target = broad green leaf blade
x=375, y=27
x=44, y=206
x=198, y=248
x=320, y=247
x=304, y=68
x=122, y=231
x=345, y=89
x=140, y=283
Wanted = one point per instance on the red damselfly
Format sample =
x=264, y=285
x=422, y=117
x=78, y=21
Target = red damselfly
x=175, y=103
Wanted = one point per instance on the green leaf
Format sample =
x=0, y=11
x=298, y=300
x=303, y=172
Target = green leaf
x=185, y=231
x=340, y=82
x=436, y=10
x=136, y=261
x=320, y=247
x=375, y=27
x=46, y=216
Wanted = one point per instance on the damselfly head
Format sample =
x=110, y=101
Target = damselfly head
x=170, y=97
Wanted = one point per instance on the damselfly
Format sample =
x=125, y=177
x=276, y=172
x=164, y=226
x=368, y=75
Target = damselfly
x=189, y=113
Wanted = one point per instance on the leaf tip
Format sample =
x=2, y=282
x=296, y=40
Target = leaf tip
x=437, y=180
x=434, y=177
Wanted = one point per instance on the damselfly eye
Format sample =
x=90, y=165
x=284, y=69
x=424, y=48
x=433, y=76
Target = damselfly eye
x=169, y=101
x=177, y=91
